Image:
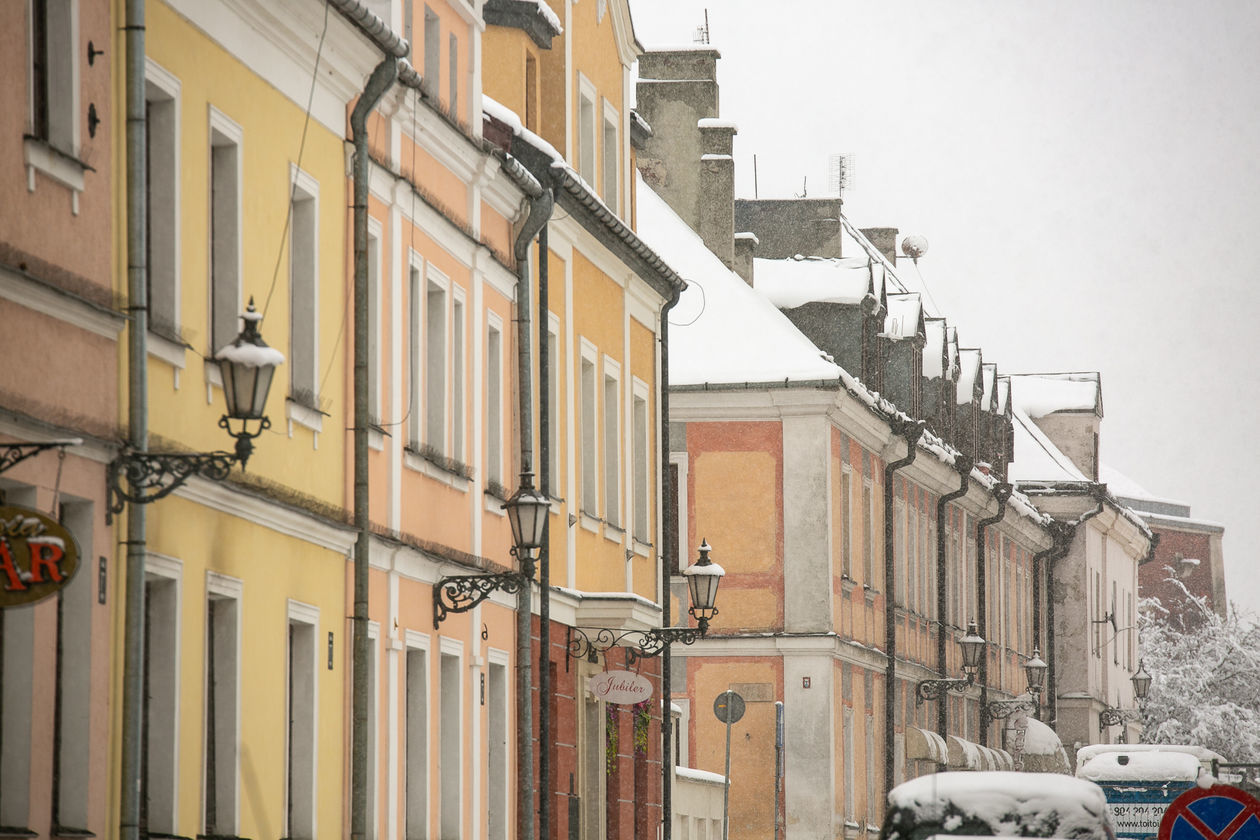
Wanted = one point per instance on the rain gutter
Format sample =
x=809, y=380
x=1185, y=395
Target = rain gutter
x=1001, y=492
x=962, y=465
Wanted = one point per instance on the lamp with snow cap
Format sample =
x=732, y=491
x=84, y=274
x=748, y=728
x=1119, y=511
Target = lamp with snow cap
x=1035, y=670
x=248, y=365
x=1111, y=716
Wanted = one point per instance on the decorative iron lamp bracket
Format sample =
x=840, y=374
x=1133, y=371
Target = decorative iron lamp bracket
x=12, y=454
x=1002, y=709
x=1112, y=716
x=934, y=689
x=588, y=643
x=460, y=593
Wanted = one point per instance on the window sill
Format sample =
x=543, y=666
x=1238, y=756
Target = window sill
x=643, y=549
x=871, y=594
x=71, y=833
x=376, y=437
x=14, y=831
x=414, y=460
x=65, y=169
x=167, y=350
x=847, y=584
x=304, y=415
x=614, y=534
x=494, y=504
x=590, y=523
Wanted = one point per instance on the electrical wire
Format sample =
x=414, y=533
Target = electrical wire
x=703, y=303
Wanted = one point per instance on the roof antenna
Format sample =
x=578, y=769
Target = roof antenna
x=839, y=173
x=701, y=35
x=755, y=192
x=804, y=188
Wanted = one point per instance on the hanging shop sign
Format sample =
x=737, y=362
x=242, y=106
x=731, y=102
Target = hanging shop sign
x=38, y=556
x=621, y=687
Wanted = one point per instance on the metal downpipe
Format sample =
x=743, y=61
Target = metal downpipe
x=547, y=796
x=1070, y=529
x=911, y=431
x=669, y=524
x=1001, y=492
x=540, y=207
x=962, y=466
x=379, y=82
x=131, y=782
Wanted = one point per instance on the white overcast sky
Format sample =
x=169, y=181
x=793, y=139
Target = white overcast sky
x=1087, y=175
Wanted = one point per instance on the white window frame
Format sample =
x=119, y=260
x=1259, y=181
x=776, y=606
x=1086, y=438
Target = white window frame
x=588, y=425
x=612, y=421
x=640, y=521
x=432, y=78
x=63, y=101
x=417, y=808
x=451, y=827
x=224, y=132
x=437, y=391
x=162, y=89
x=374, y=733
x=220, y=587
x=587, y=127
x=553, y=403
x=610, y=182
x=495, y=402
x=304, y=189
x=163, y=751
x=458, y=373
x=303, y=807
x=416, y=290
x=846, y=521
x=498, y=758
x=375, y=281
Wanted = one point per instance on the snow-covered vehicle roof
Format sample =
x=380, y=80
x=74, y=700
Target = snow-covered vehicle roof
x=1139, y=765
x=997, y=803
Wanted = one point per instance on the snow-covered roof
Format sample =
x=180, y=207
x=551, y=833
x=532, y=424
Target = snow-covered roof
x=1143, y=764
x=1003, y=394
x=905, y=315
x=989, y=373
x=951, y=341
x=999, y=803
x=1088, y=752
x=1040, y=394
x=934, y=348
x=801, y=280
x=1035, y=457
x=722, y=331
x=1124, y=487
x=968, y=371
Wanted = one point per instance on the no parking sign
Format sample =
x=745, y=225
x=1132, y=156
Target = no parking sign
x=1220, y=812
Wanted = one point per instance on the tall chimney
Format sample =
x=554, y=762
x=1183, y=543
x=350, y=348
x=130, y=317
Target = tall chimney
x=885, y=239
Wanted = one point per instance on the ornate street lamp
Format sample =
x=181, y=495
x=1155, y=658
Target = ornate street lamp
x=703, y=577
x=527, y=514
x=972, y=646
x=247, y=365
x=1111, y=716
x=1035, y=671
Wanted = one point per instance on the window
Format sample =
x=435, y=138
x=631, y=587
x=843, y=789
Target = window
x=373, y=737
x=611, y=157
x=846, y=524
x=590, y=477
x=432, y=52
x=497, y=769
x=642, y=460
x=450, y=759
x=17, y=640
x=452, y=102
x=54, y=73
x=302, y=699
x=415, y=359
x=435, y=362
x=221, y=722
x=304, y=290
x=868, y=536
x=586, y=130
x=850, y=792
x=73, y=675
x=612, y=441
x=531, y=93
x=553, y=409
x=494, y=402
x=872, y=814
x=457, y=375
x=899, y=550
x=225, y=231
x=374, y=320
x=417, y=745
x=161, y=695
x=161, y=96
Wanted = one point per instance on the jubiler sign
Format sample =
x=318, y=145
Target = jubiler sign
x=37, y=556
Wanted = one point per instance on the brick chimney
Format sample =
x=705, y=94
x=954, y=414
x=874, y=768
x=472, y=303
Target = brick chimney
x=745, y=250
x=687, y=160
x=885, y=239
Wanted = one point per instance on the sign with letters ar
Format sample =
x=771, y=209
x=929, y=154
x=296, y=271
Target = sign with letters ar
x=38, y=556
x=1219, y=812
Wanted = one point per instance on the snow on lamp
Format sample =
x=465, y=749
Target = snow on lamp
x=1141, y=681
x=703, y=578
x=972, y=646
x=247, y=366
x=1035, y=669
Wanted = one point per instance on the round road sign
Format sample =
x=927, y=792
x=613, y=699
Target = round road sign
x=1220, y=812
x=730, y=703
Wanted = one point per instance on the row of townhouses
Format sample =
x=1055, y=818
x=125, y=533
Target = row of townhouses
x=499, y=275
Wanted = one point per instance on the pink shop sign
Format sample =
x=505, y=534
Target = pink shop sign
x=621, y=687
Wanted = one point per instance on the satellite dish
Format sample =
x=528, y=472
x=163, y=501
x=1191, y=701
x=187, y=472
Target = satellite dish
x=914, y=246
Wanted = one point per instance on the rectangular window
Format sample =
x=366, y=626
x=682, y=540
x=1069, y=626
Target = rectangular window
x=373, y=731
x=450, y=760
x=435, y=363
x=553, y=411
x=868, y=536
x=494, y=404
x=432, y=52
x=899, y=551
x=612, y=443
x=374, y=321
x=498, y=761
x=415, y=357
x=17, y=640
x=54, y=82
x=846, y=525
x=221, y=721
x=304, y=290
x=586, y=131
x=457, y=376
x=611, y=157
x=302, y=687
x=590, y=476
x=453, y=60
x=1115, y=605
x=225, y=233
x=74, y=676
x=872, y=813
x=850, y=792
x=161, y=95
x=642, y=460
x=161, y=697
x=531, y=93
x=417, y=755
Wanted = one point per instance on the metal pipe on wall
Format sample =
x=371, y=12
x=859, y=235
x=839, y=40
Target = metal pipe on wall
x=1001, y=492
x=669, y=525
x=962, y=466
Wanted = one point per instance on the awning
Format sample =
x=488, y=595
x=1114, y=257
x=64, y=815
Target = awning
x=966, y=755
x=925, y=745
x=1043, y=751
